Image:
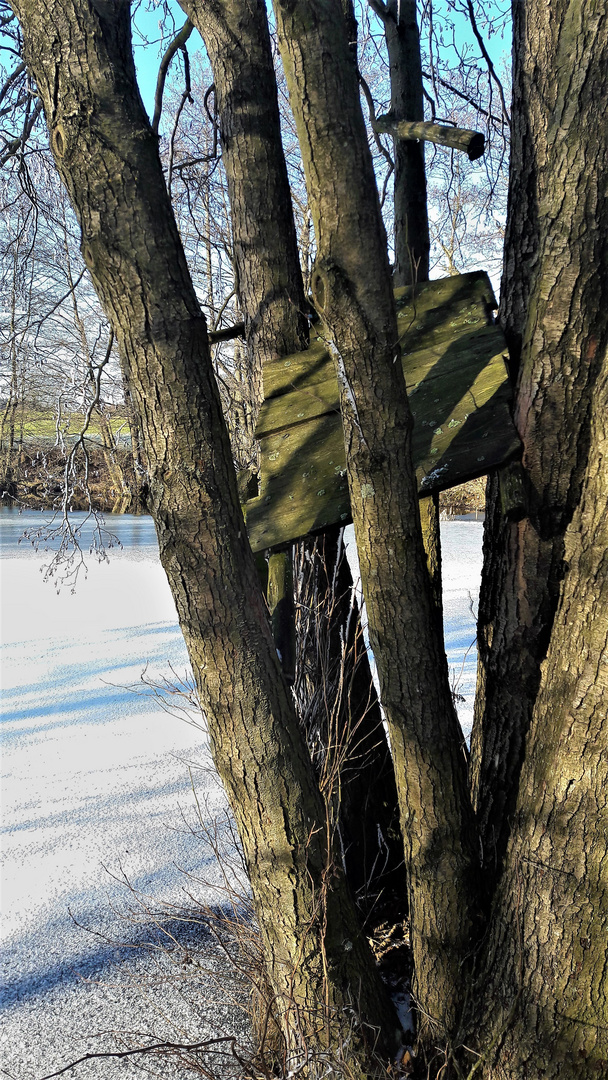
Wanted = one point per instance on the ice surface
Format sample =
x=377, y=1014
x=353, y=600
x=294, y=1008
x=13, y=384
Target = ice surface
x=95, y=787
x=461, y=555
x=461, y=542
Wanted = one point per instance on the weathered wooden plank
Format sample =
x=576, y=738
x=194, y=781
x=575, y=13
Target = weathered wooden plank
x=282, y=412
x=428, y=314
x=437, y=311
x=438, y=294
x=303, y=487
x=473, y=350
x=298, y=370
x=453, y=363
x=459, y=394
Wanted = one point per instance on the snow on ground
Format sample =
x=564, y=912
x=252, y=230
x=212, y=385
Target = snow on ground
x=96, y=787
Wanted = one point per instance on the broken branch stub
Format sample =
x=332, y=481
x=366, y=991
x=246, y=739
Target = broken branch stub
x=472, y=143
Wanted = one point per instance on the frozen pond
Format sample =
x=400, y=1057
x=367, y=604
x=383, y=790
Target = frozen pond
x=96, y=786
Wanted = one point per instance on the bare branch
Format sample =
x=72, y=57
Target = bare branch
x=178, y=43
x=14, y=75
x=372, y=116
x=488, y=60
x=15, y=145
x=205, y=1044
x=465, y=97
x=228, y=333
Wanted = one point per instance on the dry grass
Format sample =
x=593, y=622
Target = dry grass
x=464, y=499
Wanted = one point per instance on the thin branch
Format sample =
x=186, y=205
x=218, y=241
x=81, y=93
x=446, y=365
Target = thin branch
x=488, y=60
x=465, y=97
x=186, y=96
x=208, y=92
x=11, y=148
x=222, y=309
x=205, y=1044
x=178, y=42
x=372, y=116
x=11, y=79
x=189, y=162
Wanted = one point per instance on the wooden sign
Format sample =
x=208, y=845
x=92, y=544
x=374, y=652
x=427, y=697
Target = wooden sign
x=454, y=365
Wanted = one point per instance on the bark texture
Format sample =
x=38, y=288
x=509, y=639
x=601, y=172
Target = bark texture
x=546, y=988
x=271, y=294
x=267, y=265
x=412, y=239
x=353, y=292
x=412, y=243
x=554, y=312
x=105, y=150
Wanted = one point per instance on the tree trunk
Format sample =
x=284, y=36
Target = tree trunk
x=412, y=244
x=238, y=43
x=353, y=291
x=267, y=264
x=554, y=314
x=546, y=984
x=412, y=240
x=539, y=767
x=319, y=963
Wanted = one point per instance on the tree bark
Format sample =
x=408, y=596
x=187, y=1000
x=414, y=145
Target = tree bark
x=238, y=43
x=352, y=287
x=106, y=153
x=554, y=314
x=267, y=264
x=412, y=244
x=546, y=977
x=539, y=769
x=412, y=240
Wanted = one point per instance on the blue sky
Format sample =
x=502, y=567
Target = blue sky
x=148, y=13
x=148, y=57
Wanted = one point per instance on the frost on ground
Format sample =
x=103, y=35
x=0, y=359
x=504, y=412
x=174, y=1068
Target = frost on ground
x=97, y=792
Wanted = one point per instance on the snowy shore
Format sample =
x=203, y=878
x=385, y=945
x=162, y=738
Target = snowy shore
x=96, y=790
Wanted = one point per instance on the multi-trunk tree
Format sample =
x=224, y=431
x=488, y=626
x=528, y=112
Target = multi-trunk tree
x=508, y=884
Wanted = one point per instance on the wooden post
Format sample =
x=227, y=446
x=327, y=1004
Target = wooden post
x=282, y=610
x=472, y=143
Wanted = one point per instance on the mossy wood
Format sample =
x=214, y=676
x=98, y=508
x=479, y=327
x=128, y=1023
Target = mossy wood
x=454, y=364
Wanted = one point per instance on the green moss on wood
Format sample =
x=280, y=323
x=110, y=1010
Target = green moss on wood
x=454, y=367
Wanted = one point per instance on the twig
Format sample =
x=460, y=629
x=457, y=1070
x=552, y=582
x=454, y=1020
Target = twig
x=144, y=1050
x=178, y=42
x=488, y=60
